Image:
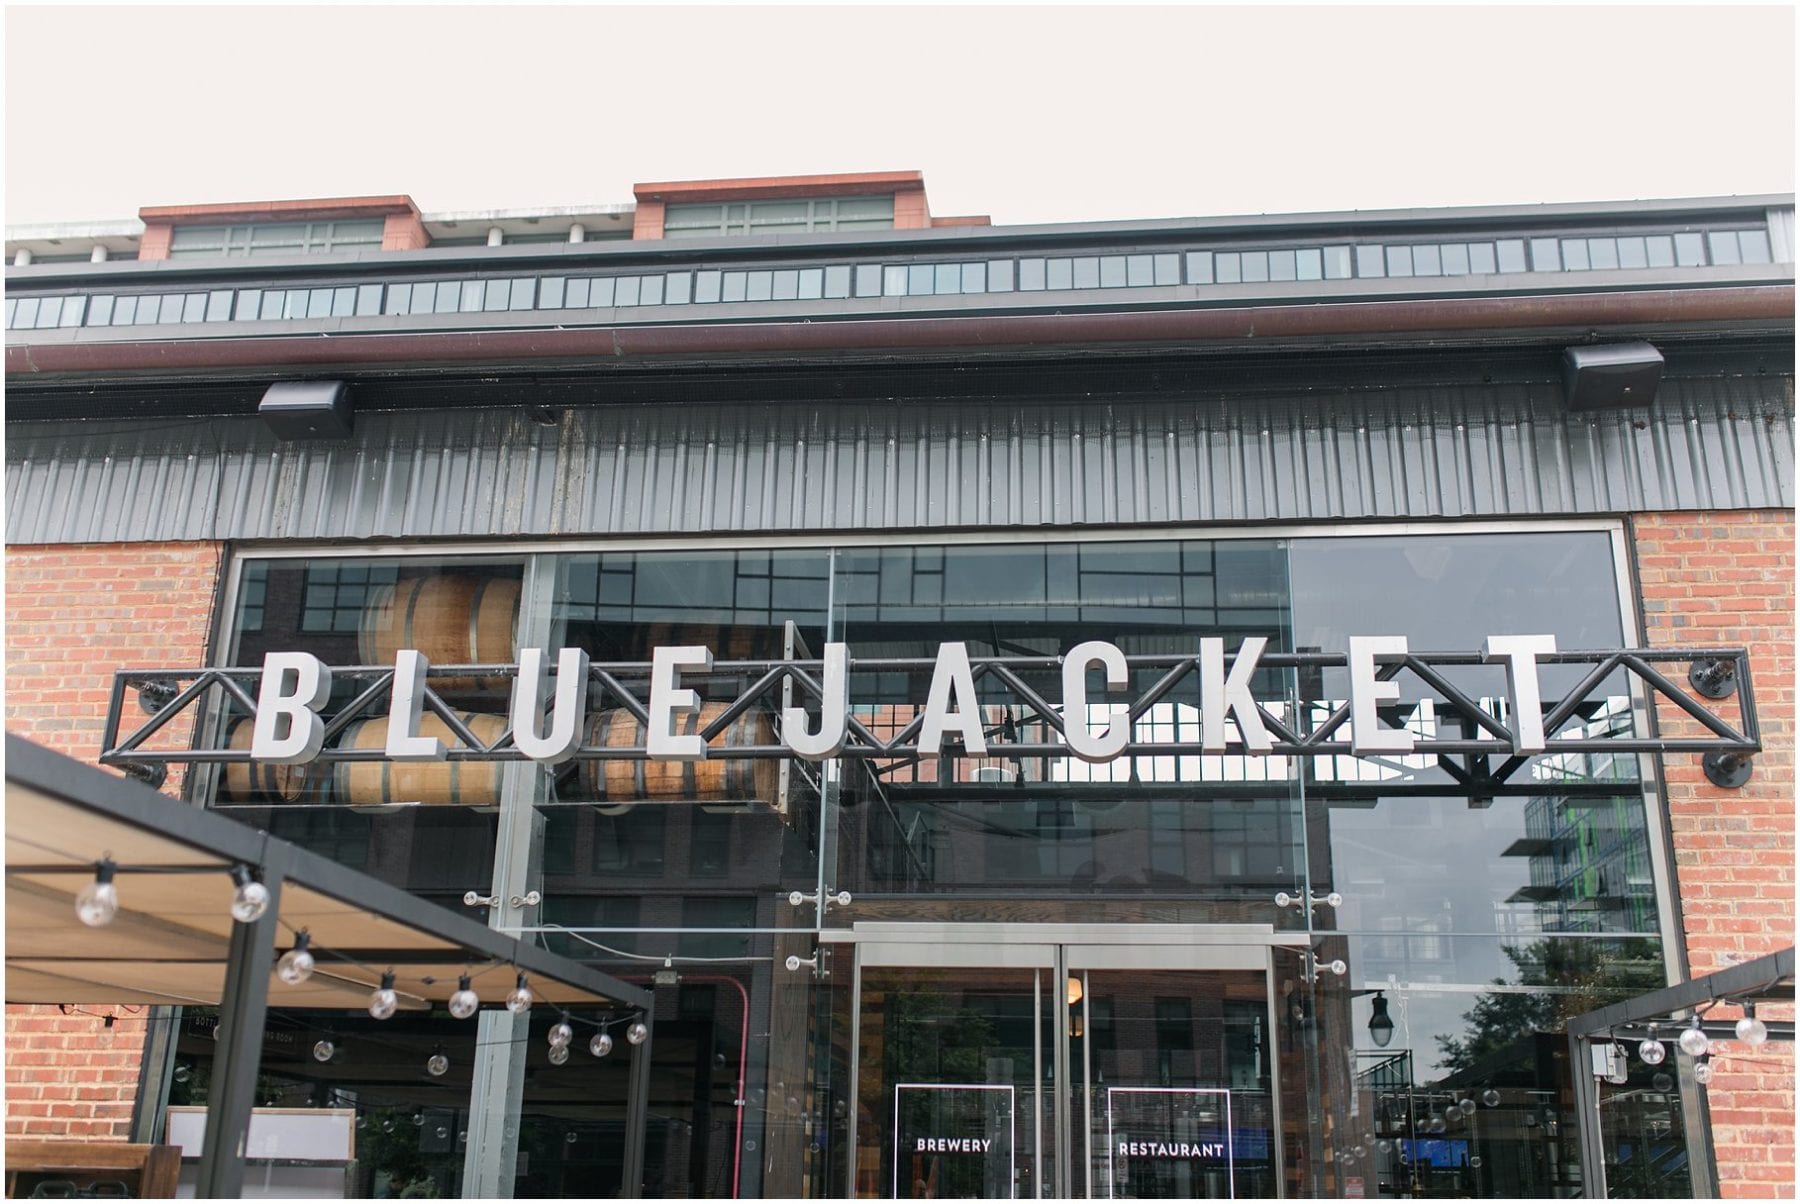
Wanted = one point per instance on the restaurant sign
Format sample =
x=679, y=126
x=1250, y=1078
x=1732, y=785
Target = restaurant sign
x=296, y=686
x=1482, y=714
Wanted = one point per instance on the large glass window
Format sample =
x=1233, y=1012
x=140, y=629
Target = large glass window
x=779, y=217
x=274, y=238
x=1479, y=908
x=426, y=827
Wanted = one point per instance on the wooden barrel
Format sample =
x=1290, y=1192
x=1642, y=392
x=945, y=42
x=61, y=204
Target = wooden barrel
x=259, y=781
x=714, y=778
x=469, y=783
x=453, y=618
x=728, y=642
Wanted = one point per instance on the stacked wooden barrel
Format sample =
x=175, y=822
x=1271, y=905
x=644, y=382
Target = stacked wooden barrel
x=454, y=619
x=462, y=618
x=716, y=778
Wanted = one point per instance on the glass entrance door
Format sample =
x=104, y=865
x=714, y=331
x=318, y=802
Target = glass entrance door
x=1010, y=1069
x=1176, y=1075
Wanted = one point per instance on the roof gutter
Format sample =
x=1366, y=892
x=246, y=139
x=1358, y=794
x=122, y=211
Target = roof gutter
x=1402, y=321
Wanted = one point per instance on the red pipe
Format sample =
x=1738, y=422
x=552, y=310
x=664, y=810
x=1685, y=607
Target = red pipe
x=740, y=1103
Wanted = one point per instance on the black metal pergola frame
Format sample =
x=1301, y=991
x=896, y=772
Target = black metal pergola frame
x=250, y=959
x=1765, y=978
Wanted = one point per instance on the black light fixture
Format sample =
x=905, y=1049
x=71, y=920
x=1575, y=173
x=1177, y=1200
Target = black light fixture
x=307, y=409
x=1381, y=1025
x=1611, y=376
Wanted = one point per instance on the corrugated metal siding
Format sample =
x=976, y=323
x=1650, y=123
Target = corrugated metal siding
x=1491, y=451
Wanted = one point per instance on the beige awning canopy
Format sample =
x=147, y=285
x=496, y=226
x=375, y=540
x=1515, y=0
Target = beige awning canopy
x=174, y=941
x=170, y=942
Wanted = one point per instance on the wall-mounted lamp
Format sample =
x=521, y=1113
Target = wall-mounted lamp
x=1611, y=376
x=307, y=409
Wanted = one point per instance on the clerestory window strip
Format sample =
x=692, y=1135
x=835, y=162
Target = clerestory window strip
x=1522, y=257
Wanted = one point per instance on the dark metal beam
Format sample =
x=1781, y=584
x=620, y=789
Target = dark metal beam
x=637, y=1110
x=1769, y=977
x=243, y=1010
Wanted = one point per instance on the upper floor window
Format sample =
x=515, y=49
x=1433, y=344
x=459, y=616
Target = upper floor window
x=275, y=238
x=779, y=217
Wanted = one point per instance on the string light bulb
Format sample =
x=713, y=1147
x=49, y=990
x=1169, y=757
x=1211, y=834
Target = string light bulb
x=296, y=965
x=638, y=1033
x=465, y=1002
x=98, y=901
x=1652, y=1051
x=559, y=1054
x=560, y=1032
x=1703, y=1071
x=251, y=899
x=1693, y=1040
x=322, y=1051
x=437, y=1065
x=1750, y=1030
x=601, y=1045
x=519, y=999
x=383, y=1001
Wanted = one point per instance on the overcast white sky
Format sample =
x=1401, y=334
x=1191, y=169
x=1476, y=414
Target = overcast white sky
x=1027, y=113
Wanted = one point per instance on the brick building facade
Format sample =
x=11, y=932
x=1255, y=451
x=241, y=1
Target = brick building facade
x=1729, y=576
x=875, y=424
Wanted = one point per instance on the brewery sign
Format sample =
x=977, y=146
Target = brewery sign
x=548, y=717
x=953, y=1141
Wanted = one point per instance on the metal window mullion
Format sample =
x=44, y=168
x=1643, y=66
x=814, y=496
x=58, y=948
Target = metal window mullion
x=1589, y=1143
x=1064, y=1131
x=855, y=1079
x=497, y=1086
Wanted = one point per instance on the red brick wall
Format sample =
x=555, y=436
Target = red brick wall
x=75, y=613
x=1727, y=579
x=154, y=242
x=911, y=210
x=404, y=232
x=71, y=1076
x=647, y=219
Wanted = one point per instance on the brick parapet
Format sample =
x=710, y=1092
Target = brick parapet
x=1726, y=578
x=75, y=613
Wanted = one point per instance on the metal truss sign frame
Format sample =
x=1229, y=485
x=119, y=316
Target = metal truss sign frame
x=1473, y=740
